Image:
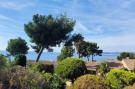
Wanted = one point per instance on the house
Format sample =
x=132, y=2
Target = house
x=129, y=64
x=92, y=67
x=113, y=64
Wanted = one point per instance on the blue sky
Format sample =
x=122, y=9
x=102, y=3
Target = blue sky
x=110, y=23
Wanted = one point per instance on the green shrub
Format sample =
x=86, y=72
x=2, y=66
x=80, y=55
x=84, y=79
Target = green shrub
x=3, y=61
x=20, y=59
x=21, y=78
x=18, y=77
x=57, y=82
x=49, y=68
x=118, y=79
x=3, y=67
x=41, y=67
x=126, y=54
x=54, y=81
x=89, y=82
x=71, y=68
x=103, y=68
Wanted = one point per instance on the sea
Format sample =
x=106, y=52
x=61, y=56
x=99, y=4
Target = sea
x=52, y=56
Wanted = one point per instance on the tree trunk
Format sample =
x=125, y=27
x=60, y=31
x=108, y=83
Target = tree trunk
x=39, y=54
x=92, y=57
x=79, y=55
x=88, y=58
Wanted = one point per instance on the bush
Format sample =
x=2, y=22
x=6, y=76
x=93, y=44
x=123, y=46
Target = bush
x=41, y=67
x=126, y=54
x=89, y=82
x=66, y=51
x=103, y=69
x=19, y=77
x=22, y=78
x=71, y=68
x=49, y=68
x=118, y=79
x=20, y=59
x=57, y=82
x=3, y=62
x=3, y=68
x=54, y=81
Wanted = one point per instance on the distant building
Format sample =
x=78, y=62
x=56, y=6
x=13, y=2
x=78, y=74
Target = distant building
x=92, y=66
x=114, y=64
x=129, y=64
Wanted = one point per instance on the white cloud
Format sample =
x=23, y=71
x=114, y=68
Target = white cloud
x=81, y=28
x=14, y=5
x=101, y=19
x=3, y=43
x=127, y=3
x=3, y=17
x=118, y=43
x=120, y=10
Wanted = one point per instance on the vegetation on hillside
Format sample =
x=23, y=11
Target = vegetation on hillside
x=118, y=79
x=89, y=49
x=124, y=55
x=71, y=68
x=46, y=32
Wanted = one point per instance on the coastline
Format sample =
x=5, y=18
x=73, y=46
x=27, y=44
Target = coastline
x=52, y=56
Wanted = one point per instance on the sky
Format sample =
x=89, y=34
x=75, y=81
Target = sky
x=110, y=23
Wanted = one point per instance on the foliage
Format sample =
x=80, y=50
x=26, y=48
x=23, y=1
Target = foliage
x=17, y=46
x=77, y=39
x=117, y=79
x=48, y=31
x=42, y=67
x=130, y=87
x=3, y=66
x=89, y=82
x=87, y=49
x=125, y=55
x=57, y=82
x=20, y=59
x=103, y=69
x=18, y=77
x=49, y=68
x=70, y=68
x=53, y=81
x=66, y=51
x=3, y=62
x=93, y=50
x=84, y=48
x=26, y=78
